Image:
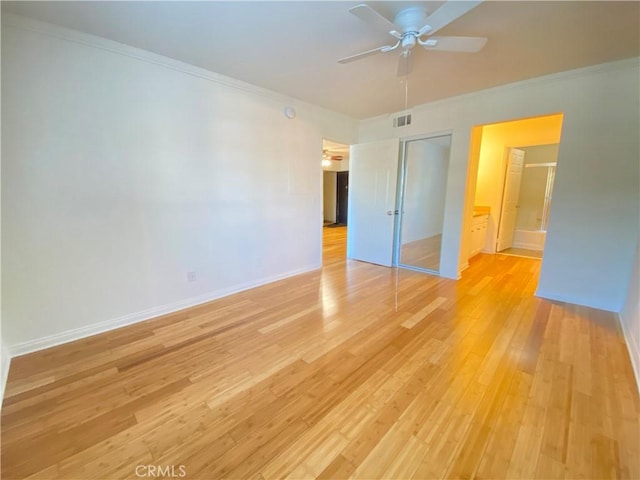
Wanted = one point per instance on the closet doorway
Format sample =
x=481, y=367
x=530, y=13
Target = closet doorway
x=425, y=163
x=397, y=201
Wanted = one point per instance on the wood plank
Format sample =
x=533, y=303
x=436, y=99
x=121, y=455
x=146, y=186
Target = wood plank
x=353, y=371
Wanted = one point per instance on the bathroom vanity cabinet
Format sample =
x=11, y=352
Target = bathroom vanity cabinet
x=478, y=232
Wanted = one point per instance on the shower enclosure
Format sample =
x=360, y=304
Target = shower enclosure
x=534, y=203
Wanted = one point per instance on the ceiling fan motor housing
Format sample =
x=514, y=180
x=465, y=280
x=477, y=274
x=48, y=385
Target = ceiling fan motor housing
x=411, y=19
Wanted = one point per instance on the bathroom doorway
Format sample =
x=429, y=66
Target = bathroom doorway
x=517, y=163
x=526, y=234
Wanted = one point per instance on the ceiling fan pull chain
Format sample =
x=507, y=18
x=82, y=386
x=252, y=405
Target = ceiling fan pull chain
x=406, y=92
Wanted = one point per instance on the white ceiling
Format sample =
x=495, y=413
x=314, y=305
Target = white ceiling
x=292, y=47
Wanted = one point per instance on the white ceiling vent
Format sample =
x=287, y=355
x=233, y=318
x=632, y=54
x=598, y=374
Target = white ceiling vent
x=402, y=120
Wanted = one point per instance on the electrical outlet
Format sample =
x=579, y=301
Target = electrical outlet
x=191, y=276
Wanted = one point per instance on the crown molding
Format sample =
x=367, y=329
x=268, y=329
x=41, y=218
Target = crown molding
x=93, y=41
x=601, y=68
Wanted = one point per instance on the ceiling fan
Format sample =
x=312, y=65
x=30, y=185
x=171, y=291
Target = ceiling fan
x=413, y=26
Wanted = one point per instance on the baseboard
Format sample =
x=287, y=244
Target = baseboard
x=6, y=362
x=634, y=353
x=462, y=269
x=574, y=300
x=101, y=327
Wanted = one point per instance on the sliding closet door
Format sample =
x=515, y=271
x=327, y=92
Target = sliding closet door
x=425, y=167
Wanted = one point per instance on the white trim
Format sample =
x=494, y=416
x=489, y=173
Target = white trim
x=6, y=363
x=129, y=319
x=93, y=41
x=548, y=164
x=575, y=300
x=634, y=353
x=535, y=81
x=464, y=266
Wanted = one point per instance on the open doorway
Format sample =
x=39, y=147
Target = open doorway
x=522, y=229
x=335, y=167
x=335, y=201
x=514, y=187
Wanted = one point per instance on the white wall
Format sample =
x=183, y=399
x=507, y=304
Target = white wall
x=124, y=170
x=329, y=196
x=630, y=317
x=424, y=190
x=593, y=226
x=5, y=358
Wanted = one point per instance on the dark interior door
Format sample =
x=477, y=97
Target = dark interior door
x=342, y=197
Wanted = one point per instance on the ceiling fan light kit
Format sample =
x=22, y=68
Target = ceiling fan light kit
x=329, y=156
x=413, y=26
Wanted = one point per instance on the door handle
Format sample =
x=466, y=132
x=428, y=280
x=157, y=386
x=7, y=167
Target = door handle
x=392, y=212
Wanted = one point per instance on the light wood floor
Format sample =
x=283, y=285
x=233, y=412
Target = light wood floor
x=353, y=371
x=522, y=252
x=423, y=253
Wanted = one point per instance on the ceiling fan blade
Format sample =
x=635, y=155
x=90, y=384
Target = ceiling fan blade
x=358, y=56
x=454, y=44
x=405, y=64
x=446, y=14
x=367, y=14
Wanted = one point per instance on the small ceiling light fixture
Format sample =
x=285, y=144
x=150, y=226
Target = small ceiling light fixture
x=328, y=156
x=326, y=162
x=290, y=112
